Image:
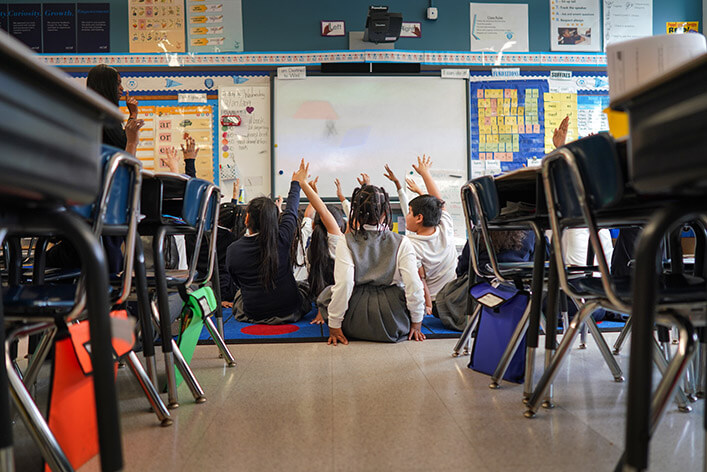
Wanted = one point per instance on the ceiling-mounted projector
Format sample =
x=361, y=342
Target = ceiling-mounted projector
x=382, y=26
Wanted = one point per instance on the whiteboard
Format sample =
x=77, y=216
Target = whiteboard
x=347, y=125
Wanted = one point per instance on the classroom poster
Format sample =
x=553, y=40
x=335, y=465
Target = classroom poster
x=678, y=27
x=499, y=27
x=557, y=107
x=25, y=24
x=171, y=123
x=627, y=20
x=575, y=25
x=3, y=17
x=507, y=121
x=591, y=118
x=59, y=28
x=146, y=147
x=244, y=137
x=156, y=26
x=93, y=27
x=214, y=27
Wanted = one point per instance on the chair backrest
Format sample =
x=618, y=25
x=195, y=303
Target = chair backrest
x=117, y=209
x=580, y=179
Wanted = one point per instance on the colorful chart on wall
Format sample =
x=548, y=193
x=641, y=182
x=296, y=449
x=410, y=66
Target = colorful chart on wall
x=507, y=121
x=165, y=127
x=215, y=27
x=156, y=26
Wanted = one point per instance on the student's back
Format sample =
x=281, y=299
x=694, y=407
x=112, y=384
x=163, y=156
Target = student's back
x=260, y=263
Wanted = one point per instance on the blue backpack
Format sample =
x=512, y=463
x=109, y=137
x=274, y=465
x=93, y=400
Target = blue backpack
x=502, y=308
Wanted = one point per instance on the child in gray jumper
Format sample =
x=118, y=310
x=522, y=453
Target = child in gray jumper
x=377, y=293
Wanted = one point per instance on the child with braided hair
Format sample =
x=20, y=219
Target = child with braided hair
x=377, y=293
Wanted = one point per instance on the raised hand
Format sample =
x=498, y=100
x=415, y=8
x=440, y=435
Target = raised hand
x=191, y=149
x=364, y=179
x=339, y=193
x=313, y=184
x=559, y=136
x=301, y=174
x=132, y=104
x=391, y=176
x=132, y=129
x=236, y=188
x=171, y=161
x=424, y=164
x=412, y=186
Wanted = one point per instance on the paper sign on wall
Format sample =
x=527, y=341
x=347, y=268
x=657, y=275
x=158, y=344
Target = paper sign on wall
x=627, y=20
x=156, y=27
x=575, y=25
x=499, y=27
x=677, y=27
x=215, y=27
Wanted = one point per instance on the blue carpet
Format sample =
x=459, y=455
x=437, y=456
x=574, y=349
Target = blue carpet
x=236, y=332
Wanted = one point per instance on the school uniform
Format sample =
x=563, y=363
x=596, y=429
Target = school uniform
x=437, y=254
x=255, y=303
x=367, y=300
x=301, y=270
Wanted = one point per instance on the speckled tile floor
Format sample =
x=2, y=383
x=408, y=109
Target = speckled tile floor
x=371, y=407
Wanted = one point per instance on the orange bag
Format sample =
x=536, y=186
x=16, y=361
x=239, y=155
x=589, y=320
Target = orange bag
x=72, y=407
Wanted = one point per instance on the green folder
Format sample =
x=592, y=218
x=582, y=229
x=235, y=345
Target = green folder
x=201, y=303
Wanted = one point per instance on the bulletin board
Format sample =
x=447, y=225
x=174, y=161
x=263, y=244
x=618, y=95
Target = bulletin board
x=504, y=139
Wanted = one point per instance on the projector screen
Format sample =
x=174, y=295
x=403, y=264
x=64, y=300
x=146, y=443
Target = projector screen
x=347, y=125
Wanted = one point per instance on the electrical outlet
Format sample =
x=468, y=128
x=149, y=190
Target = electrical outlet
x=432, y=13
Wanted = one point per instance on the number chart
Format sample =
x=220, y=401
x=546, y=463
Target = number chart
x=507, y=121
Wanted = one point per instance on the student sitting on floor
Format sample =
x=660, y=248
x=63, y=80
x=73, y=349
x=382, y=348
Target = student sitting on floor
x=260, y=263
x=451, y=303
x=366, y=180
x=328, y=229
x=373, y=264
x=298, y=251
x=430, y=229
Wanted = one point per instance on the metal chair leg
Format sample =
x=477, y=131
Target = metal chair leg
x=35, y=423
x=686, y=348
x=511, y=349
x=187, y=374
x=583, y=337
x=39, y=356
x=464, y=339
x=619, y=343
x=564, y=347
x=148, y=387
x=605, y=351
x=216, y=336
x=172, y=399
x=662, y=364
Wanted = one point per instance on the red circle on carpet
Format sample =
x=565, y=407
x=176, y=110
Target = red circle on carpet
x=269, y=330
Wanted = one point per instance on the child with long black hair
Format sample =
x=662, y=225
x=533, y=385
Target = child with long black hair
x=327, y=229
x=377, y=294
x=260, y=264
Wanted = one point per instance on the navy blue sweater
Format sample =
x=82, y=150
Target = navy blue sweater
x=243, y=263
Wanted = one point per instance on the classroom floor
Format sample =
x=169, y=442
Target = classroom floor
x=371, y=407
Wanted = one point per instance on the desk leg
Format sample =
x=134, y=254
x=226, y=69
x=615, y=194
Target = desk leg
x=553, y=299
x=536, y=298
x=7, y=462
x=645, y=287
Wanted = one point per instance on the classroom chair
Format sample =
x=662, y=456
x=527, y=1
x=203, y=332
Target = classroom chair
x=175, y=204
x=49, y=158
x=585, y=186
x=482, y=209
x=47, y=304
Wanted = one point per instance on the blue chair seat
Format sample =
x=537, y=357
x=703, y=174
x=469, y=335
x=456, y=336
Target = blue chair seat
x=672, y=288
x=39, y=300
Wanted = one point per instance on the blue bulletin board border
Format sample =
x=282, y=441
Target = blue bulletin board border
x=530, y=145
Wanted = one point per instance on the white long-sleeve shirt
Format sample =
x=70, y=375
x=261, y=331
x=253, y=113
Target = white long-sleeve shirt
x=300, y=268
x=405, y=275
